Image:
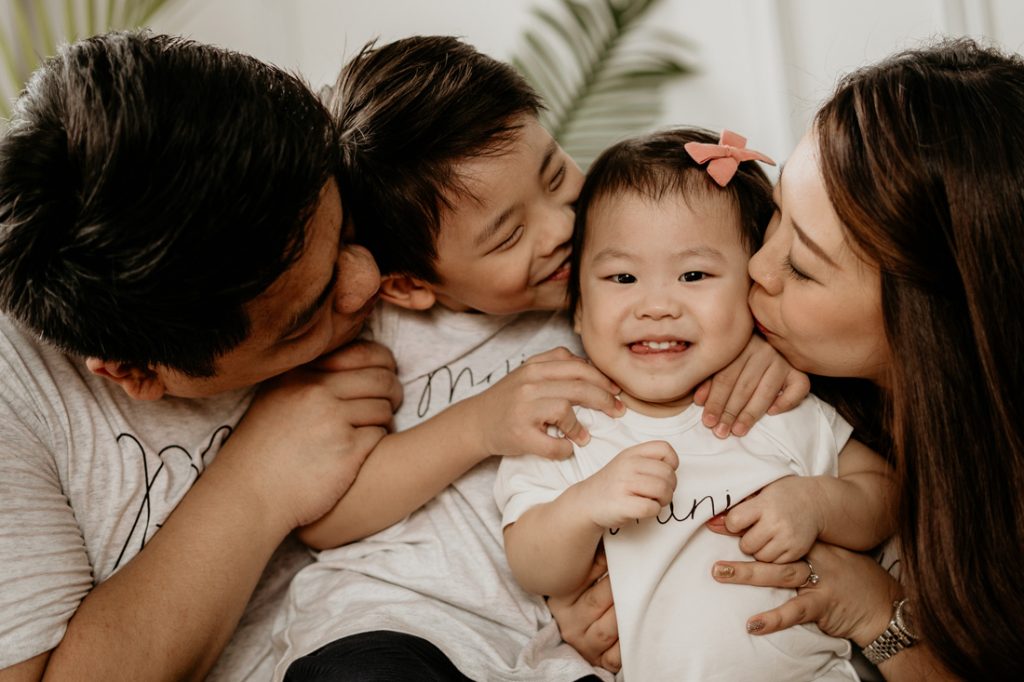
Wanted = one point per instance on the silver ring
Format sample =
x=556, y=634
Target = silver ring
x=812, y=577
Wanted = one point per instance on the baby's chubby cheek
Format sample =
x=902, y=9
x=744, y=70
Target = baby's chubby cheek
x=358, y=279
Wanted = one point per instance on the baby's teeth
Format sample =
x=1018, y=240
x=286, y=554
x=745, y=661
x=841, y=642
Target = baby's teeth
x=660, y=345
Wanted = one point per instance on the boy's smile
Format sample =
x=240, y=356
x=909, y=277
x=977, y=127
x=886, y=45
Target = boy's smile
x=504, y=245
x=663, y=290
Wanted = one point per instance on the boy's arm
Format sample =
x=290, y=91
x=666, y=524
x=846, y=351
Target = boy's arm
x=407, y=469
x=854, y=510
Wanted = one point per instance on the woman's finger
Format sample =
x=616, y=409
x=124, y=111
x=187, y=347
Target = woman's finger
x=791, y=575
x=806, y=607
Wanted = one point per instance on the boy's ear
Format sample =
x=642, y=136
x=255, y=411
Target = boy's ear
x=141, y=383
x=407, y=292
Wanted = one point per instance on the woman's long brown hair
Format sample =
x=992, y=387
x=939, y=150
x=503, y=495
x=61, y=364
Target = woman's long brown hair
x=923, y=159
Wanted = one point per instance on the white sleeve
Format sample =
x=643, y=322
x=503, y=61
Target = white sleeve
x=812, y=435
x=45, y=567
x=528, y=480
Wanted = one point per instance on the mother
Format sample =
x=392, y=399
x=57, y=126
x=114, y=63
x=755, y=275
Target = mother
x=895, y=261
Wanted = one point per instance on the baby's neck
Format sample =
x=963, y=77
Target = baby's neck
x=662, y=409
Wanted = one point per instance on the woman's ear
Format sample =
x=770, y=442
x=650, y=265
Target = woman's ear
x=407, y=292
x=141, y=383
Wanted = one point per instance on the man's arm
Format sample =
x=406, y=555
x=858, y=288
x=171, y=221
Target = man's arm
x=169, y=612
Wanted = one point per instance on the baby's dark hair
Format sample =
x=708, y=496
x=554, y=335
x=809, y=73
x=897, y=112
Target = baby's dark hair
x=409, y=112
x=656, y=164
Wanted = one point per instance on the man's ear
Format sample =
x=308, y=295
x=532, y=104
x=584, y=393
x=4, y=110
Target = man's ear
x=407, y=292
x=141, y=383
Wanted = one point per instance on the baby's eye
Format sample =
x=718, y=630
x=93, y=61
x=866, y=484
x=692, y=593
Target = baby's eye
x=694, y=276
x=623, y=278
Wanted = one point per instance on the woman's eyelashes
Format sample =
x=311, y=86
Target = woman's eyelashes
x=794, y=271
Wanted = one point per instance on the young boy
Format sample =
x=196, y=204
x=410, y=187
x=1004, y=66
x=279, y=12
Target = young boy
x=659, y=294
x=469, y=204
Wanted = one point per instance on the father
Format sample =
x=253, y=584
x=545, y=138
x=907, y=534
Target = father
x=170, y=236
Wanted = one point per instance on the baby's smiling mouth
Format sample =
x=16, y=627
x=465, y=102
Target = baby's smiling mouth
x=650, y=347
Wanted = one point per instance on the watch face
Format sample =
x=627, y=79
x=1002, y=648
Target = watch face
x=905, y=619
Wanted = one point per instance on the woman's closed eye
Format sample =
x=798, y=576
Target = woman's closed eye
x=795, y=272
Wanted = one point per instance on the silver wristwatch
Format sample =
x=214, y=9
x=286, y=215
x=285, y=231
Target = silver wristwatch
x=893, y=640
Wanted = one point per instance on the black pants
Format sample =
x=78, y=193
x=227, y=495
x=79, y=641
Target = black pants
x=380, y=656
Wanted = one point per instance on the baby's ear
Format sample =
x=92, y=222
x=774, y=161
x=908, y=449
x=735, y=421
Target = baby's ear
x=407, y=292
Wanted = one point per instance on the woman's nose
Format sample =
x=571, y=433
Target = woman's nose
x=762, y=270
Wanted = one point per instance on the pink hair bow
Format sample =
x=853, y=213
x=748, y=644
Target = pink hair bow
x=725, y=157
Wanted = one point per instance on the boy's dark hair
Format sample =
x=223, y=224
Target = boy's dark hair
x=408, y=113
x=656, y=164
x=150, y=187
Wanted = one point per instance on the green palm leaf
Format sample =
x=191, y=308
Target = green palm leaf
x=38, y=27
x=600, y=71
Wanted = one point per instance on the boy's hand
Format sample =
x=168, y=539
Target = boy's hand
x=635, y=485
x=779, y=523
x=513, y=416
x=760, y=380
x=307, y=432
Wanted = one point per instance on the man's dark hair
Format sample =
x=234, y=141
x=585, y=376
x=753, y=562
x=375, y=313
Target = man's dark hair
x=408, y=113
x=150, y=187
x=657, y=164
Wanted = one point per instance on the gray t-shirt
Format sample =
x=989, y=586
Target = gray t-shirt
x=87, y=477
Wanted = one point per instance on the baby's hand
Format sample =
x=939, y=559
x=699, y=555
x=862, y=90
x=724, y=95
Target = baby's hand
x=634, y=485
x=512, y=417
x=780, y=523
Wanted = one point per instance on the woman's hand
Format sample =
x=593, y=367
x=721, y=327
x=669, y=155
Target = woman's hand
x=586, y=618
x=759, y=381
x=852, y=599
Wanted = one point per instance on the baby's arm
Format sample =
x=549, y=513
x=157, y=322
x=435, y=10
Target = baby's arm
x=551, y=547
x=853, y=510
x=407, y=469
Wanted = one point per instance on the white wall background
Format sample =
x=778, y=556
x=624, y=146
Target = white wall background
x=763, y=64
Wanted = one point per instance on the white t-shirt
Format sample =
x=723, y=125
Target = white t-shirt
x=441, y=573
x=87, y=477
x=675, y=621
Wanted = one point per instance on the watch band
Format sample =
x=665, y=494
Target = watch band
x=894, y=639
